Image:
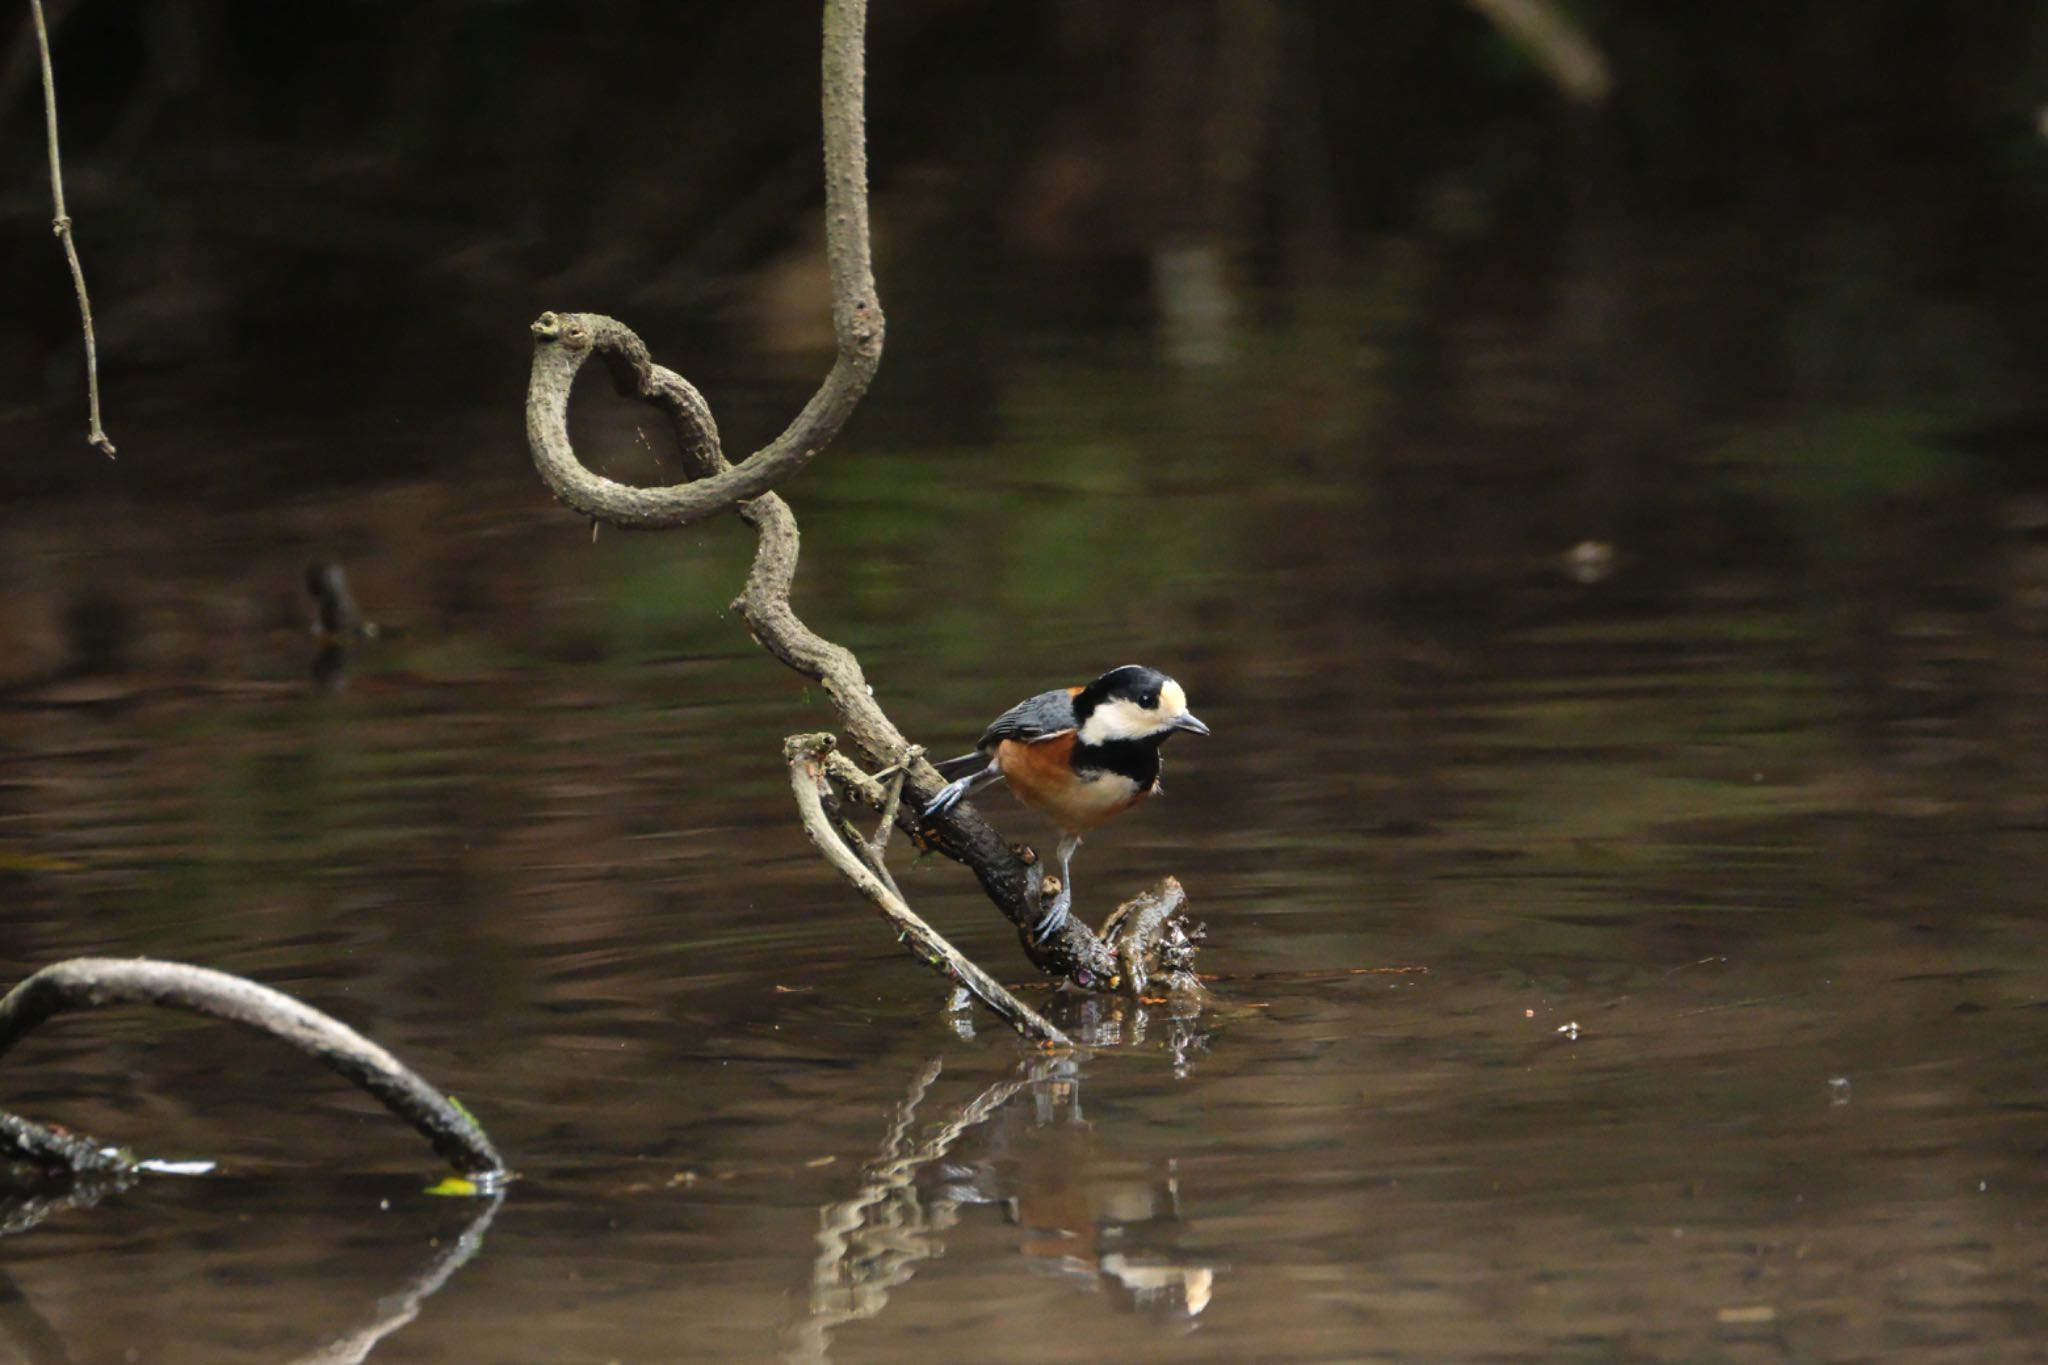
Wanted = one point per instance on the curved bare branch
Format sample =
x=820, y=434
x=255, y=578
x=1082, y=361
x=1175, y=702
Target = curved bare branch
x=94, y=982
x=564, y=342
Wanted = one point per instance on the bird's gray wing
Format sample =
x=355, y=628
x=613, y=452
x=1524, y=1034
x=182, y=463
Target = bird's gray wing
x=1042, y=717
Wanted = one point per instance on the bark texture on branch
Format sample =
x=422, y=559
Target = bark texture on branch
x=95, y=982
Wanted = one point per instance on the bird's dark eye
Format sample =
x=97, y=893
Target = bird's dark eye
x=1148, y=700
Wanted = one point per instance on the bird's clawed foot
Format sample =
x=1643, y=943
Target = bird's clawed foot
x=949, y=796
x=1055, y=917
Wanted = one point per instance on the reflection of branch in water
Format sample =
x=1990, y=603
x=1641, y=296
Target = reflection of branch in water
x=24, y=1207
x=1111, y=1021
x=396, y=1310
x=39, y=1343
x=1076, y=1202
x=869, y=1244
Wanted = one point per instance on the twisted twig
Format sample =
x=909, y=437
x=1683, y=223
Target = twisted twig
x=564, y=341
x=92, y=982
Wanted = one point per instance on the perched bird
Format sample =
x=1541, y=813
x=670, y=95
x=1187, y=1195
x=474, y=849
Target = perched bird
x=1080, y=755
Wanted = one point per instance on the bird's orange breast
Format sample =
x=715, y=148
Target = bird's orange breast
x=1043, y=777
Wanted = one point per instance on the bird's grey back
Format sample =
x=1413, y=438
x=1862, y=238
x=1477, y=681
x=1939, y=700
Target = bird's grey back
x=1039, y=717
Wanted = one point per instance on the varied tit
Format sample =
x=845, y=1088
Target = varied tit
x=1080, y=755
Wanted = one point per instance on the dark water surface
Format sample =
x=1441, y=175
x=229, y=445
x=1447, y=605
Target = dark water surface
x=1641, y=969
x=1610, y=545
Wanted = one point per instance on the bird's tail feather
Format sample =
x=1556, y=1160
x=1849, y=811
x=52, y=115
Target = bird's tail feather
x=963, y=765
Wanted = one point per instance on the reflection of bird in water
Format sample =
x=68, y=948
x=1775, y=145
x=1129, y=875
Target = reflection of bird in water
x=1079, y=755
x=339, y=625
x=1088, y=1214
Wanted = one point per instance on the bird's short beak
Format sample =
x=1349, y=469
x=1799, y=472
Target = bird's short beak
x=1186, y=721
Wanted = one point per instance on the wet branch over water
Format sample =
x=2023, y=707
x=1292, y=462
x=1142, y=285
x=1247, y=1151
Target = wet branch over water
x=1012, y=877
x=94, y=982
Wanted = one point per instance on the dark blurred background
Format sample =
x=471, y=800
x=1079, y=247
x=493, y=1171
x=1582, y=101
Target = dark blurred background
x=1585, y=461
x=317, y=230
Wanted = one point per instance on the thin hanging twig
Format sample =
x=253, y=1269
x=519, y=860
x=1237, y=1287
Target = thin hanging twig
x=62, y=223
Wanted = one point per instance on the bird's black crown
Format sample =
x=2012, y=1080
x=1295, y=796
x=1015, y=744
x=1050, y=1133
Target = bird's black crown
x=1132, y=682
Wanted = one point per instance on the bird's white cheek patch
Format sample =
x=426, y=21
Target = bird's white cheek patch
x=1119, y=719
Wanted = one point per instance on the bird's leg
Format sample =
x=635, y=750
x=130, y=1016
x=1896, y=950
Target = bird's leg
x=1062, y=906
x=953, y=793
